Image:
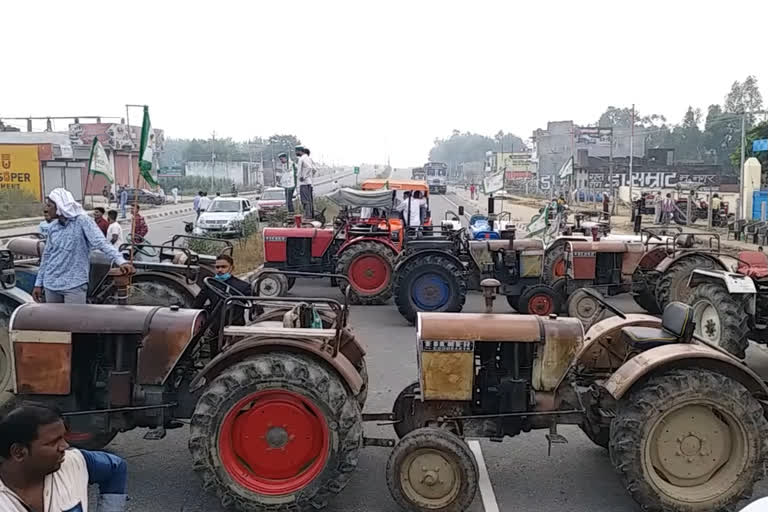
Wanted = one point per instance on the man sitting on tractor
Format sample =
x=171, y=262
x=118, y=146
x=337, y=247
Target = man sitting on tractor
x=39, y=472
x=224, y=266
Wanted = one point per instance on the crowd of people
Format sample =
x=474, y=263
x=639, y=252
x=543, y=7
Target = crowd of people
x=301, y=170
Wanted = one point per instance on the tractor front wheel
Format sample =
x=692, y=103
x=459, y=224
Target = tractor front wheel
x=431, y=282
x=432, y=469
x=554, y=263
x=673, y=284
x=689, y=440
x=721, y=318
x=277, y=432
x=369, y=267
x=272, y=285
x=540, y=299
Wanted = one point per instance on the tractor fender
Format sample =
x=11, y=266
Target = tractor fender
x=682, y=355
x=735, y=283
x=565, y=239
x=652, y=258
x=669, y=260
x=378, y=240
x=16, y=295
x=176, y=281
x=420, y=254
x=260, y=344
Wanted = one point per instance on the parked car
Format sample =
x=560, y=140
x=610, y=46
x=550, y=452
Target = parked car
x=145, y=196
x=271, y=200
x=224, y=216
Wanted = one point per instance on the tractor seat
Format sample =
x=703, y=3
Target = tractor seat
x=676, y=327
x=753, y=264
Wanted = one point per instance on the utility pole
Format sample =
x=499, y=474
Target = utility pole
x=610, y=177
x=631, y=151
x=213, y=157
x=742, y=212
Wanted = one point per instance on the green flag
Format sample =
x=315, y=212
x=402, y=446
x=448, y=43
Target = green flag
x=146, y=149
x=99, y=163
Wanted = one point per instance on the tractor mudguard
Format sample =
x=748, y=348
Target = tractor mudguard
x=423, y=253
x=261, y=344
x=667, y=262
x=16, y=295
x=682, y=355
x=735, y=283
x=378, y=239
x=168, y=279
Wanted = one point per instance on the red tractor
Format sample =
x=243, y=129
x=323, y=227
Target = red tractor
x=362, y=245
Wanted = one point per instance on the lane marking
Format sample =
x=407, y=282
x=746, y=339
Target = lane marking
x=486, y=489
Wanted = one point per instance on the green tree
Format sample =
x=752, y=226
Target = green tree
x=744, y=97
x=472, y=147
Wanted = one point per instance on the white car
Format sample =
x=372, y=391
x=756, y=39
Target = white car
x=223, y=216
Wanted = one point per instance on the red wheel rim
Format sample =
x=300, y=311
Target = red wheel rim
x=274, y=442
x=541, y=304
x=558, y=269
x=369, y=273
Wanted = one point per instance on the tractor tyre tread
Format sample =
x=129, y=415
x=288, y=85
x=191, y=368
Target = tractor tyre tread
x=404, y=277
x=346, y=259
x=734, y=320
x=680, y=270
x=636, y=415
x=551, y=256
x=278, y=370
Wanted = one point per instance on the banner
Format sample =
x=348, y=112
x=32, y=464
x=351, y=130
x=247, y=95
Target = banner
x=99, y=163
x=20, y=169
x=493, y=183
x=760, y=145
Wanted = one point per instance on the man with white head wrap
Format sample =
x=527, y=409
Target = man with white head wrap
x=65, y=264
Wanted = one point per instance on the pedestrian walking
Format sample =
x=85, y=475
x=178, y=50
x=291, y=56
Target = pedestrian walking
x=123, y=200
x=40, y=472
x=196, y=203
x=161, y=191
x=115, y=230
x=472, y=191
x=287, y=179
x=175, y=193
x=101, y=220
x=305, y=171
x=667, y=208
x=65, y=264
x=657, y=211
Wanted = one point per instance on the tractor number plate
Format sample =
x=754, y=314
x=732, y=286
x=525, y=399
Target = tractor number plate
x=740, y=284
x=583, y=254
x=447, y=346
x=275, y=238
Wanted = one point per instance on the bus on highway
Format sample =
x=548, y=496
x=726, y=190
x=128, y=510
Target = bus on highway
x=417, y=173
x=437, y=176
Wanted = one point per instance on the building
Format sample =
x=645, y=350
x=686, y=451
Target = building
x=563, y=139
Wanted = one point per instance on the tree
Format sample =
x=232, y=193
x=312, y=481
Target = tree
x=472, y=147
x=758, y=132
x=622, y=118
x=744, y=97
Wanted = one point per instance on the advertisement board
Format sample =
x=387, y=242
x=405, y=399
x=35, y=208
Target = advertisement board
x=20, y=169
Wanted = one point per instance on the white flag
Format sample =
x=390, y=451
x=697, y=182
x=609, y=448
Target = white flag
x=99, y=163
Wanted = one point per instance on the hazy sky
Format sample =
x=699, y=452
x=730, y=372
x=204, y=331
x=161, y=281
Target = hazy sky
x=360, y=80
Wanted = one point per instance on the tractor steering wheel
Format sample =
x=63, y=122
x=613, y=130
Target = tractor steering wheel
x=613, y=309
x=138, y=241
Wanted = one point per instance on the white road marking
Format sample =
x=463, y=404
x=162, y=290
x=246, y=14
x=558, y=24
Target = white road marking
x=486, y=489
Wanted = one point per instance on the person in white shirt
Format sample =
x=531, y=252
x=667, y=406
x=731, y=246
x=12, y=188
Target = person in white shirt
x=306, y=169
x=205, y=202
x=413, y=206
x=115, y=230
x=175, y=192
x=39, y=473
x=287, y=179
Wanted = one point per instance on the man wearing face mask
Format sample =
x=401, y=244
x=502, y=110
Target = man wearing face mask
x=207, y=299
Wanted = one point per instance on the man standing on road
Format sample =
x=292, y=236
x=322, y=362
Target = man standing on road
x=141, y=229
x=196, y=203
x=175, y=192
x=667, y=208
x=38, y=471
x=287, y=179
x=114, y=231
x=123, y=199
x=101, y=221
x=306, y=169
x=657, y=213
x=205, y=202
x=65, y=264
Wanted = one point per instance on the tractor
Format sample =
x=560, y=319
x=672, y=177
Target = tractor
x=11, y=297
x=362, y=246
x=682, y=421
x=730, y=306
x=157, y=283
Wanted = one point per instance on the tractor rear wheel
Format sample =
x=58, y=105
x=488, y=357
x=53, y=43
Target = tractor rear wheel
x=539, y=299
x=429, y=282
x=646, y=299
x=432, y=469
x=721, y=318
x=673, y=283
x=369, y=267
x=689, y=440
x=277, y=432
x=585, y=307
x=554, y=263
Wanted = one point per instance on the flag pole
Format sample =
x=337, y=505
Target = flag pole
x=88, y=172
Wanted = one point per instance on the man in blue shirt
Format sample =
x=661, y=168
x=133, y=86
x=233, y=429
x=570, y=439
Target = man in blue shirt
x=65, y=265
x=38, y=471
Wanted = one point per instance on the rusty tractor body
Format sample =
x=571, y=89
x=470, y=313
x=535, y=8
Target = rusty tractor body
x=174, y=279
x=682, y=421
x=274, y=402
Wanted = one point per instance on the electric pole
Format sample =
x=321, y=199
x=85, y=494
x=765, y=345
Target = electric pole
x=631, y=150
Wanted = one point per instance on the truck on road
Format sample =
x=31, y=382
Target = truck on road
x=437, y=176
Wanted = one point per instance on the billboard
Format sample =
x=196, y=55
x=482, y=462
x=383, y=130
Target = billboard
x=20, y=169
x=593, y=135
